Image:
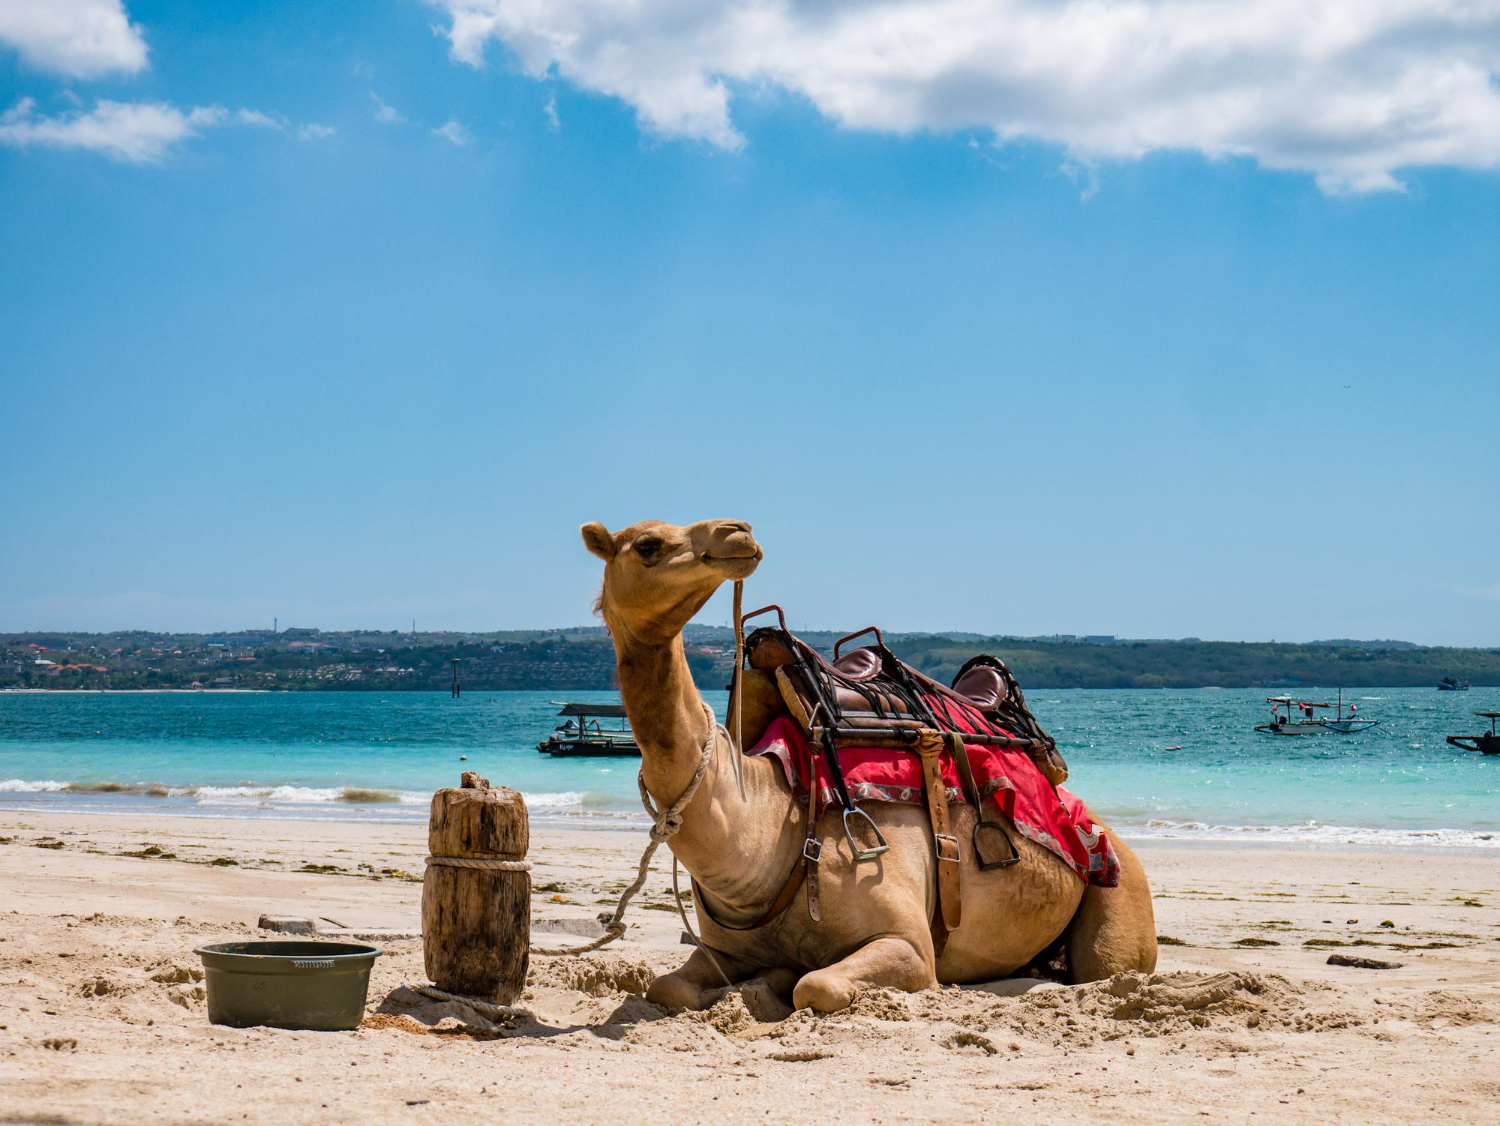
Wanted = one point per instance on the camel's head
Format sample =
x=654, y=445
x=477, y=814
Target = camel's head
x=657, y=576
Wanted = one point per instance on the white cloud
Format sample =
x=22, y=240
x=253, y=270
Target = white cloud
x=1491, y=592
x=1351, y=91
x=138, y=132
x=258, y=119
x=452, y=131
x=550, y=109
x=78, y=38
x=385, y=114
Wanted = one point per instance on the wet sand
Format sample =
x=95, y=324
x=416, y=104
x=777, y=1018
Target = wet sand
x=103, y=1021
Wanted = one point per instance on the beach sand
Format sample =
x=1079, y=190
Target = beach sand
x=102, y=1022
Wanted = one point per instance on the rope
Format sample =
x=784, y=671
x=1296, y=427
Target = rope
x=737, y=744
x=664, y=825
x=481, y=863
x=483, y=1008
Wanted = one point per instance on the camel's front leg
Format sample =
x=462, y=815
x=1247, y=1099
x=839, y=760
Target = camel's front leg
x=685, y=988
x=892, y=963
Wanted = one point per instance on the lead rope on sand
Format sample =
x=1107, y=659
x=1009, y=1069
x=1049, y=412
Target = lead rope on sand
x=664, y=825
x=486, y=1009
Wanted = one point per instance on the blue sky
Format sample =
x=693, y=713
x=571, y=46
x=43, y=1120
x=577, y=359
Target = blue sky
x=351, y=313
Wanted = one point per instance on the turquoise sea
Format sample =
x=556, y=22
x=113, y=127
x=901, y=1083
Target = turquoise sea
x=1158, y=763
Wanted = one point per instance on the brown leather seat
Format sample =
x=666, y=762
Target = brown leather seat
x=982, y=686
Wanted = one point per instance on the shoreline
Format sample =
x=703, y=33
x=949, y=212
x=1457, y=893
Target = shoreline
x=146, y=691
x=634, y=825
x=355, y=805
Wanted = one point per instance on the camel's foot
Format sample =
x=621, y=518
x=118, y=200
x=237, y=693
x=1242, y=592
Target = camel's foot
x=697, y=984
x=892, y=963
x=673, y=991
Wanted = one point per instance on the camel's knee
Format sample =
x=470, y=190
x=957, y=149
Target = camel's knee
x=674, y=991
x=891, y=963
x=824, y=991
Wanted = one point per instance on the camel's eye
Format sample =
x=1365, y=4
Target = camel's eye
x=648, y=549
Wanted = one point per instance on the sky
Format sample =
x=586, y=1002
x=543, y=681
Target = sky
x=1155, y=318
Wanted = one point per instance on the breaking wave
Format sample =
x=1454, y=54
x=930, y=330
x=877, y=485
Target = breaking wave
x=554, y=801
x=213, y=795
x=560, y=804
x=1312, y=833
x=18, y=786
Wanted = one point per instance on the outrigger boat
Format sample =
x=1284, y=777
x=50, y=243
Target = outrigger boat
x=1306, y=721
x=1486, y=743
x=581, y=734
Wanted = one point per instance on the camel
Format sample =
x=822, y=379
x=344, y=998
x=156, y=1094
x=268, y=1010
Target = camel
x=874, y=930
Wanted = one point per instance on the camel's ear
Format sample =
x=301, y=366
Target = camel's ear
x=597, y=539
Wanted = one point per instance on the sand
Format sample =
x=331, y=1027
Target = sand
x=102, y=1019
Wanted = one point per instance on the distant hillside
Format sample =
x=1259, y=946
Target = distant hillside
x=582, y=658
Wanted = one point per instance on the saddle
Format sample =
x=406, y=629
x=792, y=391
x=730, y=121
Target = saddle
x=868, y=697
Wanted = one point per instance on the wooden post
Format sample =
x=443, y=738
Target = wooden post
x=476, y=923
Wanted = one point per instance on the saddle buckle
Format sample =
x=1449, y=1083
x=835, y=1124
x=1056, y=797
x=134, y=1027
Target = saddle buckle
x=860, y=852
x=812, y=850
x=944, y=843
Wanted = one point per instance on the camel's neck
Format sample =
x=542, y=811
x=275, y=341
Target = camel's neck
x=666, y=713
x=738, y=850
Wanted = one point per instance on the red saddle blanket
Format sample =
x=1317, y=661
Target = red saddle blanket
x=1047, y=814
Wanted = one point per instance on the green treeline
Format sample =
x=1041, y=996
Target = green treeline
x=579, y=659
x=1225, y=664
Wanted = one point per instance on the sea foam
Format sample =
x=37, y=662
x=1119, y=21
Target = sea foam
x=1313, y=833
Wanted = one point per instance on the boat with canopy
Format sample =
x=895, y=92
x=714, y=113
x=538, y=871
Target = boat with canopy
x=1486, y=742
x=581, y=735
x=1291, y=716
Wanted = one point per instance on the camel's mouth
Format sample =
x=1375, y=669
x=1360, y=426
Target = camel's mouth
x=736, y=566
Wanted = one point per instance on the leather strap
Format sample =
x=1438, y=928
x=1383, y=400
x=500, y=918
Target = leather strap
x=960, y=754
x=812, y=846
x=782, y=901
x=986, y=830
x=949, y=907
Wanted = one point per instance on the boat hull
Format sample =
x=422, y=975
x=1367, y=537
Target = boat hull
x=1319, y=727
x=585, y=748
x=1485, y=744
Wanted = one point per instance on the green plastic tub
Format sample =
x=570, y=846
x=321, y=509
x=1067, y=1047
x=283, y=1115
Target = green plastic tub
x=318, y=985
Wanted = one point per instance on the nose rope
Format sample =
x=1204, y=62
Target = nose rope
x=737, y=744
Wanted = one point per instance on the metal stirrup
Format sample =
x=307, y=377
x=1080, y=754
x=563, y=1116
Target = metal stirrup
x=860, y=852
